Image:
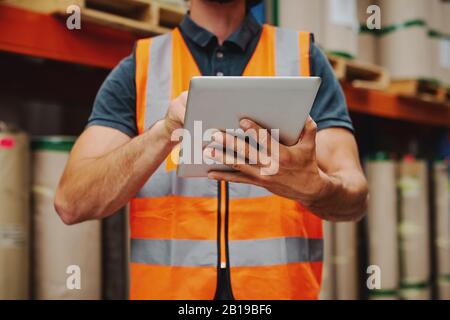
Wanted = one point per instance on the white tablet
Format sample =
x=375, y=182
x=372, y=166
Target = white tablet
x=220, y=103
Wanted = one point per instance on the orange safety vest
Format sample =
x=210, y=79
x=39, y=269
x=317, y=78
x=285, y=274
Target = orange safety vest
x=183, y=230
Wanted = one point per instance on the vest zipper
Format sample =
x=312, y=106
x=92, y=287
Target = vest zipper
x=223, y=265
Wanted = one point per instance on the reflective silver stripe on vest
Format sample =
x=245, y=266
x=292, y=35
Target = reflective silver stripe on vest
x=287, y=52
x=264, y=252
x=159, y=83
x=275, y=251
x=174, y=252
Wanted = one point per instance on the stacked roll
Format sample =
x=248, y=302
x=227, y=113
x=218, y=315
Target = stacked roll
x=14, y=214
x=382, y=225
x=367, y=38
x=328, y=275
x=346, y=261
x=414, y=230
x=334, y=22
x=442, y=239
x=404, y=33
x=305, y=15
x=444, y=47
x=67, y=259
x=340, y=27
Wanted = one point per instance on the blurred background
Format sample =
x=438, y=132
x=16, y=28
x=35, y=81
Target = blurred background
x=396, y=80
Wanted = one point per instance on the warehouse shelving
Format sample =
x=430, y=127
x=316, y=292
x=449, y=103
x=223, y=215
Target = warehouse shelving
x=46, y=36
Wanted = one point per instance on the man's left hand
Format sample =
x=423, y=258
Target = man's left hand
x=298, y=176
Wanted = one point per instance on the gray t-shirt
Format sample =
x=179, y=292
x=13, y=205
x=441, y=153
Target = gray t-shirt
x=115, y=104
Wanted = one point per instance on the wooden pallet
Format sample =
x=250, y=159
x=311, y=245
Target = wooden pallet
x=360, y=75
x=147, y=17
x=421, y=89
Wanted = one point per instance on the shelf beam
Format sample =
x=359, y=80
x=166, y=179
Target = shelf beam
x=36, y=34
x=385, y=105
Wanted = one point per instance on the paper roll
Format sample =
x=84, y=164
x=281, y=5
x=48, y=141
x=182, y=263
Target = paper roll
x=414, y=223
x=60, y=249
x=444, y=289
x=305, y=15
x=416, y=294
x=382, y=222
x=405, y=53
x=333, y=22
x=328, y=275
x=442, y=227
x=14, y=215
x=400, y=11
x=341, y=27
x=367, y=40
x=346, y=261
x=444, y=47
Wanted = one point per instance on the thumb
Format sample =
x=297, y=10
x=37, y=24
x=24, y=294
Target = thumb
x=183, y=98
x=308, y=136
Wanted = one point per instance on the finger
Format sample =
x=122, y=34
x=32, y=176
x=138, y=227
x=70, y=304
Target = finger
x=235, y=177
x=229, y=159
x=245, y=152
x=183, y=98
x=308, y=137
x=261, y=136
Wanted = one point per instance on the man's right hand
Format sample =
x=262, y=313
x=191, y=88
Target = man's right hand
x=106, y=167
x=175, y=114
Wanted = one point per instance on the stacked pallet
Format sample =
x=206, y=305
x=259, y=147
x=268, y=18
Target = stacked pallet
x=144, y=17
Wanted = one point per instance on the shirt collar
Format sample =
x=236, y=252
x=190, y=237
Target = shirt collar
x=242, y=37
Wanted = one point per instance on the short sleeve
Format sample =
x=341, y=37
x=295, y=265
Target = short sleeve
x=329, y=109
x=115, y=103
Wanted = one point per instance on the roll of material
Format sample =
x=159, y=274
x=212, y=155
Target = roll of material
x=400, y=11
x=305, y=15
x=444, y=47
x=414, y=223
x=367, y=39
x=341, y=27
x=328, y=275
x=442, y=205
x=346, y=261
x=67, y=259
x=405, y=53
x=334, y=22
x=403, y=45
x=382, y=223
x=438, y=42
x=416, y=293
x=444, y=289
x=435, y=17
x=14, y=214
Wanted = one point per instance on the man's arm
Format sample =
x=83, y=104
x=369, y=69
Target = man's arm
x=345, y=197
x=322, y=171
x=106, y=167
